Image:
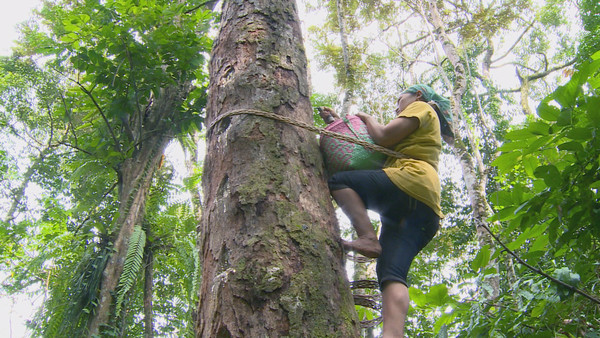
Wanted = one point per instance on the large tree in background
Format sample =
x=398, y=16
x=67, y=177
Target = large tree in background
x=272, y=263
x=123, y=72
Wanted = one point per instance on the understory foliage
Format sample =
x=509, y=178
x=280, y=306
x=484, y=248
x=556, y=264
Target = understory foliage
x=546, y=220
x=77, y=99
x=549, y=208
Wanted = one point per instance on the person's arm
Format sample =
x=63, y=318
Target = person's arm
x=392, y=133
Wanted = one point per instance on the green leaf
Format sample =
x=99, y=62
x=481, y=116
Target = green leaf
x=538, y=128
x=539, y=309
x=565, y=95
x=594, y=82
x=417, y=296
x=528, y=234
x=579, y=134
x=519, y=134
x=564, y=274
x=529, y=164
x=536, y=144
x=548, y=112
x=564, y=118
x=550, y=174
x=540, y=244
x=592, y=113
x=69, y=38
x=536, y=230
x=507, y=161
x=443, y=321
x=481, y=259
x=438, y=295
x=501, y=198
x=571, y=146
x=131, y=266
x=512, y=145
x=518, y=242
x=442, y=332
x=87, y=168
x=505, y=214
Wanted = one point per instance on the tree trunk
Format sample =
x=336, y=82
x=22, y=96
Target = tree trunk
x=524, y=88
x=349, y=78
x=135, y=177
x=272, y=261
x=148, y=290
x=470, y=159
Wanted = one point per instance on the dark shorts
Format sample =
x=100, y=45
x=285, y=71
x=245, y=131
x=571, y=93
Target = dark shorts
x=407, y=224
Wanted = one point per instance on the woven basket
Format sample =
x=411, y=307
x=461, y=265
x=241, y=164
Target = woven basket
x=343, y=156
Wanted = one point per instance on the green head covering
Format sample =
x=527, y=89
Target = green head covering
x=442, y=109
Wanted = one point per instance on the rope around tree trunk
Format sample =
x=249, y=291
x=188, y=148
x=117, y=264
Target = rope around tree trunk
x=308, y=127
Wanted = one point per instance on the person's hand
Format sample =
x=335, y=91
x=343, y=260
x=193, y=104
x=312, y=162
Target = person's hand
x=327, y=114
x=363, y=116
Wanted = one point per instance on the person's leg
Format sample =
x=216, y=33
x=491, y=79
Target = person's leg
x=401, y=242
x=395, y=307
x=359, y=190
x=366, y=244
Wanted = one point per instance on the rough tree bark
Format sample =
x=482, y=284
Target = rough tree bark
x=272, y=262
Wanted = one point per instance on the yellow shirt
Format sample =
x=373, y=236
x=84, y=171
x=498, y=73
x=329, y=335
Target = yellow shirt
x=418, y=175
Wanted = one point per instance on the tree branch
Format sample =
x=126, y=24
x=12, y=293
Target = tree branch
x=18, y=193
x=124, y=120
x=548, y=71
x=210, y=4
x=514, y=44
x=538, y=271
x=75, y=147
x=68, y=114
x=364, y=284
x=537, y=76
x=89, y=94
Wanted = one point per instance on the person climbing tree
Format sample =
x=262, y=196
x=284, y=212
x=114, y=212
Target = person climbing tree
x=406, y=194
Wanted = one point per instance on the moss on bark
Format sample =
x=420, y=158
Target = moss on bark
x=272, y=262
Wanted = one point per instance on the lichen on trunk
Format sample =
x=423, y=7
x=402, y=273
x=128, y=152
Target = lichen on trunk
x=272, y=262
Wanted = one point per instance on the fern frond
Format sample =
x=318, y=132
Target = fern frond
x=133, y=264
x=84, y=287
x=87, y=169
x=73, y=295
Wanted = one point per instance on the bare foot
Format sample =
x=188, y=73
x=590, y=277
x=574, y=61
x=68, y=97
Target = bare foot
x=364, y=246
